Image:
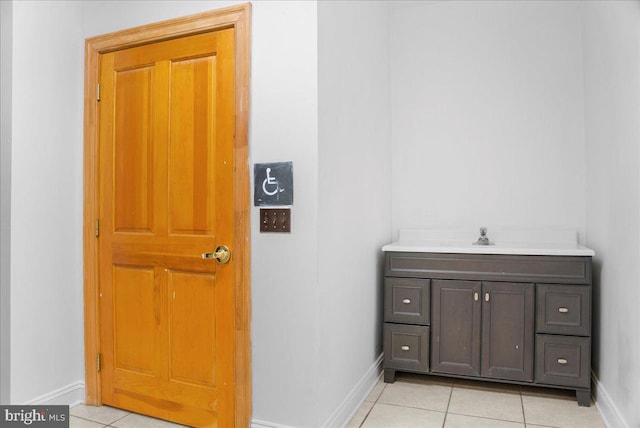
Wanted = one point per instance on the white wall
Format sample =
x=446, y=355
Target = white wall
x=354, y=193
x=6, y=40
x=611, y=46
x=46, y=203
x=284, y=126
x=487, y=115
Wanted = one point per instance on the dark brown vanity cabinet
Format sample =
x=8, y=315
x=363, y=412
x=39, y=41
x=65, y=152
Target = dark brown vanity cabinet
x=483, y=329
x=511, y=318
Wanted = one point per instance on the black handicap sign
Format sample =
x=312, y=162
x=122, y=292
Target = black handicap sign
x=273, y=183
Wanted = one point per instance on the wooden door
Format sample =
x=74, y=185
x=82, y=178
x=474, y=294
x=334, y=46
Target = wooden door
x=455, y=346
x=166, y=138
x=508, y=330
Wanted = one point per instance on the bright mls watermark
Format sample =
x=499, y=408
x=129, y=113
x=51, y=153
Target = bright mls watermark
x=34, y=416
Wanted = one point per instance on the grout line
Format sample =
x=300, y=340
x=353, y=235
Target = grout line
x=367, y=415
x=119, y=419
x=384, y=386
x=411, y=407
x=524, y=418
x=446, y=412
x=86, y=419
x=489, y=419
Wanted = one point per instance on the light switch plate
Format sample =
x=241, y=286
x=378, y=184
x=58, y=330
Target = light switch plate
x=275, y=220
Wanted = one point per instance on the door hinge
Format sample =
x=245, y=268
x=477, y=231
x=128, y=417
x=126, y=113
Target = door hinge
x=97, y=92
x=99, y=362
x=97, y=228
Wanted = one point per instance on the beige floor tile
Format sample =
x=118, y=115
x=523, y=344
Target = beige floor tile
x=376, y=391
x=138, y=421
x=387, y=416
x=538, y=391
x=462, y=421
x=489, y=386
x=560, y=413
x=429, y=396
x=102, y=414
x=75, y=422
x=486, y=403
x=360, y=415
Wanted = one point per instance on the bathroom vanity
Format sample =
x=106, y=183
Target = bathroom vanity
x=518, y=311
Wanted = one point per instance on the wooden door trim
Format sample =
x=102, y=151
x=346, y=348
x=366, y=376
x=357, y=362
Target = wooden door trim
x=238, y=17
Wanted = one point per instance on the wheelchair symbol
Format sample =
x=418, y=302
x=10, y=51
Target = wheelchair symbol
x=271, y=183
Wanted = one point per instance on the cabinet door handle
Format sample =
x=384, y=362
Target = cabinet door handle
x=475, y=296
x=405, y=348
x=486, y=297
x=563, y=310
x=406, y=301
x=562, y=361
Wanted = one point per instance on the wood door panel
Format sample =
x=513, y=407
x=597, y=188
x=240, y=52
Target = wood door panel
x=170, y=395
x=191, y=148
x=187, y=262
x=190, y=404
x=136, y=297
x=205, y=44
x=192, y=327
x=133, y=139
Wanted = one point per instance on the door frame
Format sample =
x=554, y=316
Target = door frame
x=239, y=18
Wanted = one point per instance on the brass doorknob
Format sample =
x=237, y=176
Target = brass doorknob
x=222, y=254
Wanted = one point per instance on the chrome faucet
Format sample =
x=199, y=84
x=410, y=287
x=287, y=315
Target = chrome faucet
x=483, y=239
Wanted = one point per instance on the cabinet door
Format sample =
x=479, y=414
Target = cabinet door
x=455, y=324
x=508, y=330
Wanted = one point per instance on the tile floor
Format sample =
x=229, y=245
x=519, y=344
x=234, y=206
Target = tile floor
x=420, y=401
x=98, y=417
x=429, y=401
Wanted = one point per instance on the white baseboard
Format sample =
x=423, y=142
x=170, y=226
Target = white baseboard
x=71, y=395
x=607, y=408
x=352, y=402
x=255, y=423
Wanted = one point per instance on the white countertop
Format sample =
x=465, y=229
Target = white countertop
x=517, y=242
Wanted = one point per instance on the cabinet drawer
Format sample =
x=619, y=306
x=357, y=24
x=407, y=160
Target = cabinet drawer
x=406, y=300
x=563, y=309
x=563, y=360
x=406, y=347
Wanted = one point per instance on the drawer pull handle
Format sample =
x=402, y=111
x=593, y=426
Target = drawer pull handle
x=562, y=361
x=405, y=348
x=563, y=310
x=486, y=297
x=406, y=301
x=475, y=296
